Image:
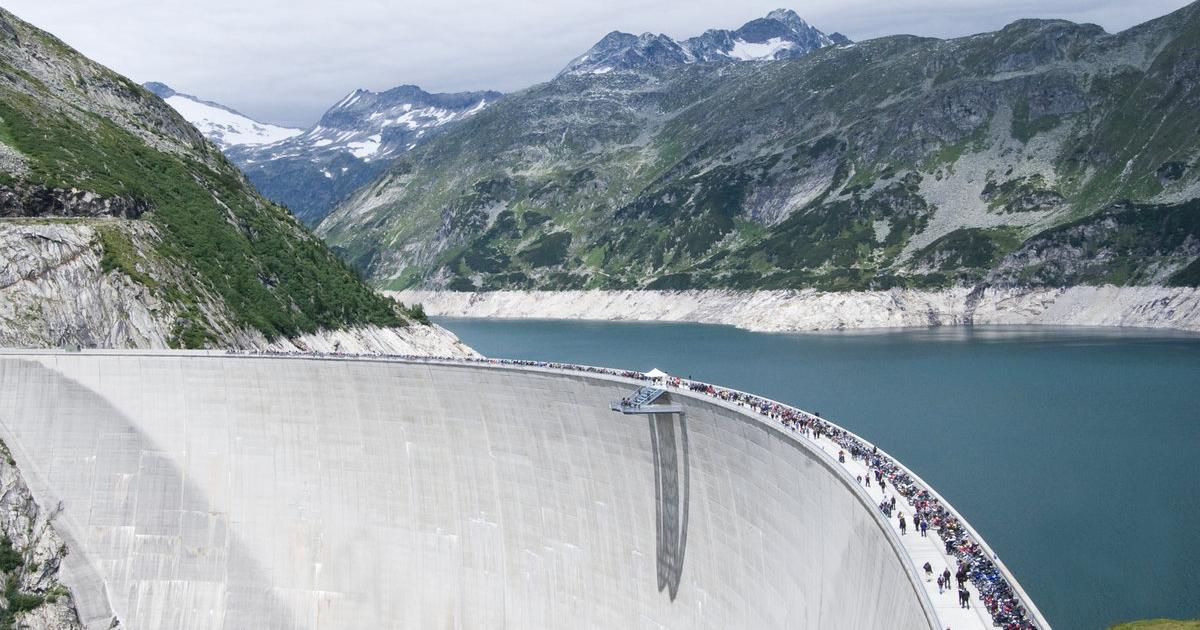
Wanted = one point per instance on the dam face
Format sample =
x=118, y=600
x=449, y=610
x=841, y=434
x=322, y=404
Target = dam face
x=235, y=492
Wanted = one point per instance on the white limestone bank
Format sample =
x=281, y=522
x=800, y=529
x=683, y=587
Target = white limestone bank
x=56, y=292
x=777, y=311
x=433, y=341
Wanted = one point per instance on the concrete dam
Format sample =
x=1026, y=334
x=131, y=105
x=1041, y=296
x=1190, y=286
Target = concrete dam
x=302, y=493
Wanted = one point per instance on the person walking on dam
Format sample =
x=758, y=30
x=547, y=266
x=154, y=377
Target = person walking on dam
x=928, y=572
x=964, y=597
x=903, y=525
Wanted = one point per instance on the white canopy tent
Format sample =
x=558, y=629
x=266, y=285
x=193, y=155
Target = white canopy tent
x=657, y=374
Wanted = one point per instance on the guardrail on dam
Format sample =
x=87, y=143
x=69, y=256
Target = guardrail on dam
x=214, y=491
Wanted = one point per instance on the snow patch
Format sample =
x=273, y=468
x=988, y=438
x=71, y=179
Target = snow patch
x=365, y=149
x=228, y=128
x=349, y=100
x=749, y=51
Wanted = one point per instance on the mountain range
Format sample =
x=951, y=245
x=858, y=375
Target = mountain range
x=1047, y=153
x=310, y=170
x=780, y=35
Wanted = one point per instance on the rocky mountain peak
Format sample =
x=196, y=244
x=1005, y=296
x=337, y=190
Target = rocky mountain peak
x=374, y=125
x=351, y=143
x=161, y=90
x=310, y=169
x=782, y=34
x=789, y=17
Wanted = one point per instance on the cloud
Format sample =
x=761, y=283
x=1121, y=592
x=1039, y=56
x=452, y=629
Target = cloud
x=286, y=61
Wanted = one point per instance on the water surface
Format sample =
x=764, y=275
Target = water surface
x=1074, y=452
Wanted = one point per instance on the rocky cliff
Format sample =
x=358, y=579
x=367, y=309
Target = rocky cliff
x=67, y=283
x=56, y=292
x=31, y=553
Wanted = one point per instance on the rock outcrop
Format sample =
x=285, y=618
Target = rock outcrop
x=31, y=553
x=40, y=201
x=61, y=287
x=55, y=293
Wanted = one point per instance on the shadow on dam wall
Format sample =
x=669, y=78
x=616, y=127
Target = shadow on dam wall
x=177, y=538
x=672, y=481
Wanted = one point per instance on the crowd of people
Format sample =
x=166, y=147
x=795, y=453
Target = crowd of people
x=998, y=597
x=974, y=564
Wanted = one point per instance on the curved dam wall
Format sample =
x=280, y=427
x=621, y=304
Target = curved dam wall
x=235, y=492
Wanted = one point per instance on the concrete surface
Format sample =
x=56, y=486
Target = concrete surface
x=233, y=492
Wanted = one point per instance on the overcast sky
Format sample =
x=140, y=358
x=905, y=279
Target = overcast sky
x=286, y=61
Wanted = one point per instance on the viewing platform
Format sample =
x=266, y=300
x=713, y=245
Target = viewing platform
x=644, y=401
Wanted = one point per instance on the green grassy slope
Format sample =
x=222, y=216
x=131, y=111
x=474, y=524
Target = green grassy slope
x=1158, y=624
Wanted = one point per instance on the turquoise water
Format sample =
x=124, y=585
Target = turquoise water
x=1073, y=452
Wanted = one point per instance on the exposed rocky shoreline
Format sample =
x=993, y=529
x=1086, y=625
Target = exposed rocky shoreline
x=778, y=311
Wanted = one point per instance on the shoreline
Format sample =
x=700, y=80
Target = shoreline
x=813, y=311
